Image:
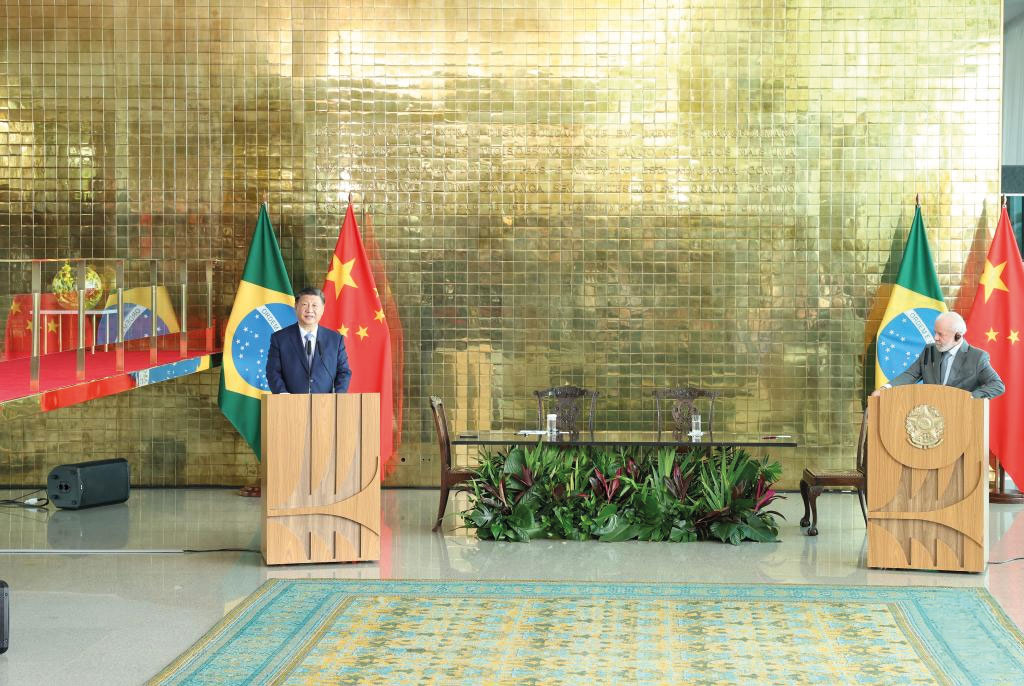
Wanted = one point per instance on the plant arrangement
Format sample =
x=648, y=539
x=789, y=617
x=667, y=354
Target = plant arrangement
x=588, y=492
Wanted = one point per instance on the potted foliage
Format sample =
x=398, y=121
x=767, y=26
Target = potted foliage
x=623, y=494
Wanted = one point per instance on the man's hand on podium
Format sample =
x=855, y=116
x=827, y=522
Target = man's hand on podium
x=878, y=391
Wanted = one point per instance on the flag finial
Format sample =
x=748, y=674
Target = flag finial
x=1004, y=201
x=917, y=200
x=350, y=197
x=266, y=201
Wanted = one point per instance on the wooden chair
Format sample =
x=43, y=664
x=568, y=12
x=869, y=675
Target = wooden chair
x=679, y=405
x=567, y=402
x=449, y=477
x=812, y=483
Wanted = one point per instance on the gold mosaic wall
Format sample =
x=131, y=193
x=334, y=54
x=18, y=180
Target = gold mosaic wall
x=622, y=195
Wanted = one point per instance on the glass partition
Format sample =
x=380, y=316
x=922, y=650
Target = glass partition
x=69, y=321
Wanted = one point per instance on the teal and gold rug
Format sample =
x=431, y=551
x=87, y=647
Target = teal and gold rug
x=435, y=632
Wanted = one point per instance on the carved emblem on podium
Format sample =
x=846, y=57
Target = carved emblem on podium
x=925, y=427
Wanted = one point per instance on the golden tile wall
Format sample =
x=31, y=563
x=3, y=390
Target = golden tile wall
x=616, y=194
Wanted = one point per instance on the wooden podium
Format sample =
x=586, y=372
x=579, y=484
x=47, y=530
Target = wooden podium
x=927, y=474
x=321, y=478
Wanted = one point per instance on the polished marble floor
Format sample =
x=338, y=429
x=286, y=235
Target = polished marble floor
x=105, y=596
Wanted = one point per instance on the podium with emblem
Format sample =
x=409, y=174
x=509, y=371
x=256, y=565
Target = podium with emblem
x=321, y=478
x=927, y=479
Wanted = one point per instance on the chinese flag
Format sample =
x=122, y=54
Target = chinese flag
x=353, y=309
x=60, y=332
x=394, y=328
x=996, y=321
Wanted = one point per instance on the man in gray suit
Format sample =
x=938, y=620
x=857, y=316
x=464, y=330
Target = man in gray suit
x=950, y=361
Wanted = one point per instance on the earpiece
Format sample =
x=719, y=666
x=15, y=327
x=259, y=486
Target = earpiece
x=957, y=336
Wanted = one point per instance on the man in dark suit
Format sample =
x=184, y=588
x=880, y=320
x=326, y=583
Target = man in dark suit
x=951, y=361
x=305, y=357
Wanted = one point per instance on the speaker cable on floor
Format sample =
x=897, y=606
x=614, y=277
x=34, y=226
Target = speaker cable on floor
x=24, y=501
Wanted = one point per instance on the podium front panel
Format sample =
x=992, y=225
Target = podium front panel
x=927, y=476
x=321, y=478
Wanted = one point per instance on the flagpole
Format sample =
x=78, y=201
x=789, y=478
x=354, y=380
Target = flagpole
x=999, y=494
x=266, y=205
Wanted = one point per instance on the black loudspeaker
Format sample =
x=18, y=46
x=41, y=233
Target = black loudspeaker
x=5, y=617
x=88, y=484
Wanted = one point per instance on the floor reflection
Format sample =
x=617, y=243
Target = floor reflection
x=98, y=528
x=68, y=608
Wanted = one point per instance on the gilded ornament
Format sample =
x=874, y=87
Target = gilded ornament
x=925, y=426
x=65, y=287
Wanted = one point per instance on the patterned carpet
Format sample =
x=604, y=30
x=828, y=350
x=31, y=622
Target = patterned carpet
x=425, y=632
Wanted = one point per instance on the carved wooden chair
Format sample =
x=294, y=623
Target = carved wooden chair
x=812, y=483
x=674, y=408
x=449, y=477
x=568, y=403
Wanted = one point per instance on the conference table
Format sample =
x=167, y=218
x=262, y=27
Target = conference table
x=641, y=439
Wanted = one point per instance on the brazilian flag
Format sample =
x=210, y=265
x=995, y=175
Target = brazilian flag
x=915, y=303
x=263, y=304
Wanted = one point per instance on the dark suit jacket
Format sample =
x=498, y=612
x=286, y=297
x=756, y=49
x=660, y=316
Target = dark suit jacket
x=288, y=371
x=971, y=371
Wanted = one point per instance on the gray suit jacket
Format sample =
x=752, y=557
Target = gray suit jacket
x=971, y=371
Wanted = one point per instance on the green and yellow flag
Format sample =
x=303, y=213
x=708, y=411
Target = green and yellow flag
x=264, y=303
x=915, y=303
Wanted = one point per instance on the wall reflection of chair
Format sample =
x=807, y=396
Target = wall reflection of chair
x=675, y=407
x=449, y=477
x=812, y=483
x=570, y=403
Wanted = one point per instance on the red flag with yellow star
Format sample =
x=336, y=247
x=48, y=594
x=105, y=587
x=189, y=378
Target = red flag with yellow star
x=996, y=321
x=387, y=297
x=353, y=309
x=60, y=332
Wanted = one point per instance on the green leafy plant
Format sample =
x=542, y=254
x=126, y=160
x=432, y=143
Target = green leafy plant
x=505, y=504
x=623, y=494
x=733, y=491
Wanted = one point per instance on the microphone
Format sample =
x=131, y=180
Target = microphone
x=310, y=353
x=318, y=354
x=323, y=362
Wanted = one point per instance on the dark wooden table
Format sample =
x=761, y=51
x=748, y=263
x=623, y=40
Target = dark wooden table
x=648, y=439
